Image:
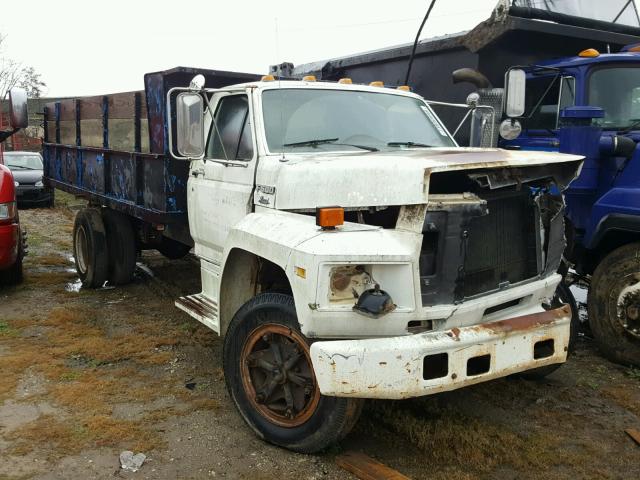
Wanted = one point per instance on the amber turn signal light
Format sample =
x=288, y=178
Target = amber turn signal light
x=589, y=53
x=329, y=218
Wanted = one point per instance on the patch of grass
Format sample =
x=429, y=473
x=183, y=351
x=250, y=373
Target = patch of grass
x=47, y=430
x=52, y=260
x=588, y=382
x=7, y=330
x=48, y=278
x=71, y=436
x=69, y=376
x=450, y=439
x=89, y=367
x=625, y=396
x=633, y=373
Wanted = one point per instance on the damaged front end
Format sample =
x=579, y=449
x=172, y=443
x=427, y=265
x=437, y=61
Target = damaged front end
x=488, y=230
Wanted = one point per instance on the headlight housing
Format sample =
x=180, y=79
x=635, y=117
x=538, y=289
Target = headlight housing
x=341, y=286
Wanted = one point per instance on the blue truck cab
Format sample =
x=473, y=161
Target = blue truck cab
x=589, y=104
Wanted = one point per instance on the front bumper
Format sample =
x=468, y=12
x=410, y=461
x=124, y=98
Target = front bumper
x=403, y=367
x=31, y=193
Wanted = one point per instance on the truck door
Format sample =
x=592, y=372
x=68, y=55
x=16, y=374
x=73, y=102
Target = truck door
x=220, y=191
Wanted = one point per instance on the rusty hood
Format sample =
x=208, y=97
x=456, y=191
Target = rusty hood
x=399, y=177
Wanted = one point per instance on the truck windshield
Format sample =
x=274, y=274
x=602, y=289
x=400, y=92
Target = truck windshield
x=312, y=120
x=26, y=161
x=617, y=91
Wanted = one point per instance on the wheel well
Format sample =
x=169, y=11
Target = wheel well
x=610, y=241
x=245, y=275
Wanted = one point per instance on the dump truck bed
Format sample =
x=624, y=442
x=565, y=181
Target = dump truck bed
x=113, y=149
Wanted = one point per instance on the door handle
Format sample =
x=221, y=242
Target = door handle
x=196, y=172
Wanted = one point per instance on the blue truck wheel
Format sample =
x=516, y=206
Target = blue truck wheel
x=614, y=305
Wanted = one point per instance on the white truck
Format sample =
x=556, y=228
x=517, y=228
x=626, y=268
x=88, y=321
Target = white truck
x=349, y=249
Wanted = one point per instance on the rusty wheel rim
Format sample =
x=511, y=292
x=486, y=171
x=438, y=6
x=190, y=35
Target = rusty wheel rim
x=277, y=375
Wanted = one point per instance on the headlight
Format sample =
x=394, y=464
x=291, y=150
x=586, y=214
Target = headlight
x=510, y=129
x=341, y=287
x=39, y=184
x=7, y=211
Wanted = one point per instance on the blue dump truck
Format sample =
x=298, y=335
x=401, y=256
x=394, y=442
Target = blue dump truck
x=579, y=66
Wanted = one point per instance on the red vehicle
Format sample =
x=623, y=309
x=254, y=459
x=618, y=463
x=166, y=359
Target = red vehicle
x=11, y=238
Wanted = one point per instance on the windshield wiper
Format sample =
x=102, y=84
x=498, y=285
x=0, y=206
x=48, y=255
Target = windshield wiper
x=20, y=166
x=332, y=141
x=310, y=143
x=407, y=144
x=635, y=124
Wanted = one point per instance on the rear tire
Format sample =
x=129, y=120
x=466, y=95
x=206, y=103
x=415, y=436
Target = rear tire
x=172, y=249
x=608, y=313
x=304, y=422
x=90, y=248
x=121, y=242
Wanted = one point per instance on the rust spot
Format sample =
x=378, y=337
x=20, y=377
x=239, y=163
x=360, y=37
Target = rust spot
x=345, y=383
x=455, y=334
x=526, y=322
x=382, y=363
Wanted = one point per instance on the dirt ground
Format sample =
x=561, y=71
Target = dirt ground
x=86, y=374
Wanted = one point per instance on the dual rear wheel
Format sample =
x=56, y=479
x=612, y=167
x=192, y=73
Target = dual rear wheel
x=104, y=247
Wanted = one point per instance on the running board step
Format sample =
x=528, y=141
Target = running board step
x=202, y=308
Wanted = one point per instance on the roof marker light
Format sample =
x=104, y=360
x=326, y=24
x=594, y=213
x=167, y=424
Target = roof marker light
x=377, y=83
x=404, y=88
x=267, y=78
x=345, y=80
x=309, y=78
x=589, y=53
x=635, y=48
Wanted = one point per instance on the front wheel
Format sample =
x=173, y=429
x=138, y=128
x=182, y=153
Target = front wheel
x=614, y=305
x=269, y=375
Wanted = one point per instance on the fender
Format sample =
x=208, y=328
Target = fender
x=293, y=242
x=614, y=222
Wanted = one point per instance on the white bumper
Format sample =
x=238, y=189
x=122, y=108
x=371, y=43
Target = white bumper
x=396, y=367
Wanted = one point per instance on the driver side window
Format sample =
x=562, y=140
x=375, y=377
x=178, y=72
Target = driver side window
x=232, y=140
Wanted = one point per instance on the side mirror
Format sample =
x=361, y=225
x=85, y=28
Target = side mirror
x=190, y=124
x=18, y=112
x=516, y=88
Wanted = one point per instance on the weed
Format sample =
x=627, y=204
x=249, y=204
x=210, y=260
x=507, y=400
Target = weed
x=633, y=373
x=6, y=330
x=69, y=376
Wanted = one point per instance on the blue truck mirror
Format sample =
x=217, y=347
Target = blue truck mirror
x=515, y=95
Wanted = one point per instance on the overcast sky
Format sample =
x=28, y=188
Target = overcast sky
x=93, y=47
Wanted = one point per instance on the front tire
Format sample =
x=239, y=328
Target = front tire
x=614, y=305
x=270, y=378
x=90, y=248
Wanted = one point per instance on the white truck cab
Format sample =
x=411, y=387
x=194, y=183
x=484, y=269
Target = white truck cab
x=350, y=249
